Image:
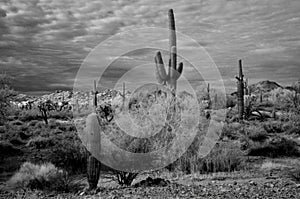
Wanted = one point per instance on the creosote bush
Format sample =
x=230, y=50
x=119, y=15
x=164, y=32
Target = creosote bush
x=64, y=150
x=256, y=133
x=279, y=147
x=273, y=127
x=224, y=157
x=294, y=174
x=42, y=177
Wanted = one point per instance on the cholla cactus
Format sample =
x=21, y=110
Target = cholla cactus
x=174, y=72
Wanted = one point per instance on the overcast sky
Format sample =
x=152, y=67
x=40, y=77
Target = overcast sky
x=44, y=42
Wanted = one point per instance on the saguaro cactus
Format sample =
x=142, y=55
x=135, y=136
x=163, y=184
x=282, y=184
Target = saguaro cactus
x=247, y=87
x=296, y=98
x=93, y=172
x=123, y=95
x=240, y=91
x=95, y=92
x=260, y=96
x=208, y=96
x=93, y=139
x=173, y=72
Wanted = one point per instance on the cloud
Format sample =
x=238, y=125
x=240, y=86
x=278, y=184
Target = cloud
x=50, y=38
x=2, y=13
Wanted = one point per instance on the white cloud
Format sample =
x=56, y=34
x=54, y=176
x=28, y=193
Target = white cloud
x=228, y=30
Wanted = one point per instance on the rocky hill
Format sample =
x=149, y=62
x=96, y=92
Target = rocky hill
x=264, y=86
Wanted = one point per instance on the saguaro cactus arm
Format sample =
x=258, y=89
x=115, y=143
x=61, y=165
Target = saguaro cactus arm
x=161, y=74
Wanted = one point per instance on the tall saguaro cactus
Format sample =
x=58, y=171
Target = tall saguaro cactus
x=173, y=72
x=240, y=91
x=93, y=137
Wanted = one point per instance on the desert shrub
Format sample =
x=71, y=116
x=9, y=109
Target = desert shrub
x=291, y=123
x=42, y=177
x=65, y=127
x=273, y=127
x=280, y=147
x=2, y=129
x=17, y=141
x=256, y=133
x=231, y=131
x=294, y=174
x=283, y=99
x=32, y=123
x=231, y=101
x=16, y=123
x=121, y=177
x=41, y=142
x=61, y=115
x=63, y=150
x=53, y=124
x=7, y=149
x=293, y=130
x=29, y=115
x=225, y=157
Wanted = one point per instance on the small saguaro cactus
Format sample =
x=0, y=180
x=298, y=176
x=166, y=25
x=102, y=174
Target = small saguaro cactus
x=296, y=98
x=216, y=100
x=240, y=91
x=173, y=73
x=247, y=87
x=95, y=92
x=123, y=95
x=260, y=96
x=208, y=96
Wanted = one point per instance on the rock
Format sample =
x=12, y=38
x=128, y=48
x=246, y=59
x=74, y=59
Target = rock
x=251, y=182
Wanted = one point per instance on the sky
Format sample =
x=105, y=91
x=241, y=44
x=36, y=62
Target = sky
x=45, y=43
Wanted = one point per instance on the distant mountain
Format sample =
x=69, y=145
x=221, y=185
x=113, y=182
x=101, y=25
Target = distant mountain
x=265, y=86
